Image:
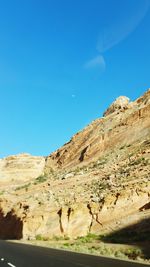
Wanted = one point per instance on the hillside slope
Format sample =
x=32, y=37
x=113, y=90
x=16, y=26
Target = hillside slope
x=98, y=182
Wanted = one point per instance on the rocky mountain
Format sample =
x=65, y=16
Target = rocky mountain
x=98, y=182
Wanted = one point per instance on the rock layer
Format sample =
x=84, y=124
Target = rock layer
x=21, y=167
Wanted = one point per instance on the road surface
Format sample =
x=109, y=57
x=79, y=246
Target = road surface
x=20, y=255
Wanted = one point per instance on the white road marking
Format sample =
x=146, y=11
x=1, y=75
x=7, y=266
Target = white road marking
x=2, y=259
x=10, y=264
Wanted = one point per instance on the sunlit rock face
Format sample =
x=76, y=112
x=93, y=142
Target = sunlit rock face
x=21, y=167
x=121, y=103
x=124, y=122
x=97, y=181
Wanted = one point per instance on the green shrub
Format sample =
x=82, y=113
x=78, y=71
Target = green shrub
x=38, y=237
x=40, y=179
x=88, y=238
x=41, y=238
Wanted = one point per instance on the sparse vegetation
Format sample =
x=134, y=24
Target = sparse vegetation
x=40, y=179
x=99, y=186
x=41, y=238
x=92, y=244
x=26, y=186
x=88, y=238
x=138, y=161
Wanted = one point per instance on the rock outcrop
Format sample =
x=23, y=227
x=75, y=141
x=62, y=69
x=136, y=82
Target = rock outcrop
x=98, y=182
x=120, y=104
x=21, y=167
x=120, y=128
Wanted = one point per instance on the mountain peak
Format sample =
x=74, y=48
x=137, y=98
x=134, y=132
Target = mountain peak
x=121, y=103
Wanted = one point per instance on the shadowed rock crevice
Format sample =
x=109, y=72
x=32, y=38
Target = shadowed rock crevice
x=11, y=227
x=83, y=154
x=145, y=207
x=94, y=217
x=60, y=220
x=70, y=210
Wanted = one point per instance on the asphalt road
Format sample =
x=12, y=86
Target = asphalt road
x=19, y=255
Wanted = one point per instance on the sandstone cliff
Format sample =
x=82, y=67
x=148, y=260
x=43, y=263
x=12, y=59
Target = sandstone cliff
x=21, y=167
x=98, y=182
x=124, y=124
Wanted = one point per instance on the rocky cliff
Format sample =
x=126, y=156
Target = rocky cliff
x=98, y=182
x=124, y=123
x=21, y=167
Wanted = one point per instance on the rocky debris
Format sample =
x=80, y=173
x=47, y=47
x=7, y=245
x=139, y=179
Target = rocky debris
x=75, y=220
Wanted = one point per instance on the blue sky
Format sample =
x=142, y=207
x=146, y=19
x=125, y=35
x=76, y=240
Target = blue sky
x=63, y=62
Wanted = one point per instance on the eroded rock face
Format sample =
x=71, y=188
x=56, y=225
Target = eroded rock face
x=129, y=124
x=99, y=178
x=121, y=103
x=75, y=220
x=21, y=167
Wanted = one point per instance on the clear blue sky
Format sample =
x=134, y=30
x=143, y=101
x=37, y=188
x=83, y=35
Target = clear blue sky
x=63, y=62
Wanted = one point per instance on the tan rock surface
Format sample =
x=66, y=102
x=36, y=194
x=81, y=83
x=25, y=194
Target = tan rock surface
x=97, y=182
x=121, y=103
x=21, y=167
